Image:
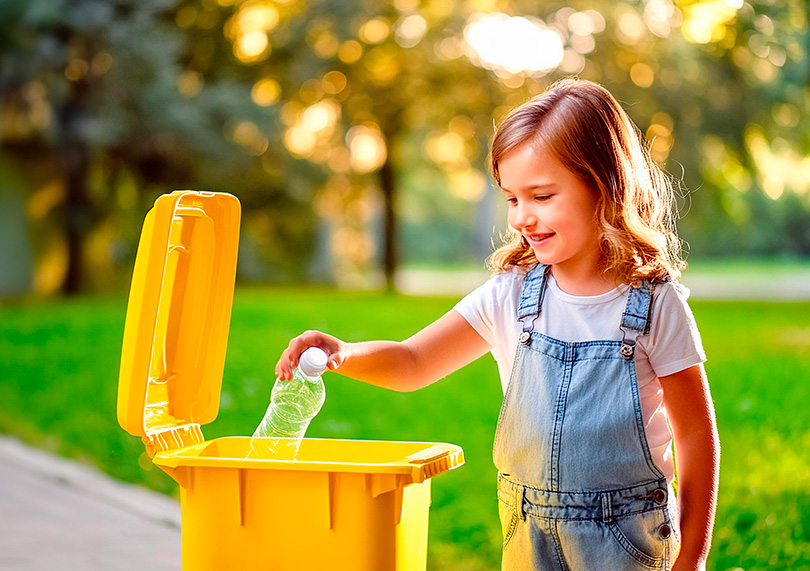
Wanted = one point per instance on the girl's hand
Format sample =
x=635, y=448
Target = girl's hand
x=434, y=352
x=332, y=346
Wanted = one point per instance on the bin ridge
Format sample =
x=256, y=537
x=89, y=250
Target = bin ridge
x=435, y=460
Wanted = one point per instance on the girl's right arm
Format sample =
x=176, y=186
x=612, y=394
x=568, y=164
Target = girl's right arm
x=442, y=347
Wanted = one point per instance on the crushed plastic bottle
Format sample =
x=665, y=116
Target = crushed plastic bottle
x=293, y=405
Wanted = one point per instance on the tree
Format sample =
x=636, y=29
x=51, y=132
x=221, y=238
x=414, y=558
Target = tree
x=344, y=103
x=387, y=80
x=97, y=94
x=361, y=84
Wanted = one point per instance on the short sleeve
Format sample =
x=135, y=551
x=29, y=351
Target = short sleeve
x=491, y=311
x=674, y=343
x=477, y=308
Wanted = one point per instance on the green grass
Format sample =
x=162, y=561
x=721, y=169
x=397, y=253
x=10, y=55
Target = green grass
x=59, y=363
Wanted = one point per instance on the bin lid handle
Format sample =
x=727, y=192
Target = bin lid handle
x=428, y=455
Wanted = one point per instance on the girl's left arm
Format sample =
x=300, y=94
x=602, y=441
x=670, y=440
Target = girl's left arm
x=697, y=454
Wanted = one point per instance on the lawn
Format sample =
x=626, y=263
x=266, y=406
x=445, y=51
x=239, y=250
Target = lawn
x=60, y=365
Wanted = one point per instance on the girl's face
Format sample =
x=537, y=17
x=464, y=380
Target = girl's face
x=552, y=208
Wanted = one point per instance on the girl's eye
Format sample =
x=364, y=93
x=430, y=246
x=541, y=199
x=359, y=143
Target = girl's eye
x=542, y=197
x=511, y=200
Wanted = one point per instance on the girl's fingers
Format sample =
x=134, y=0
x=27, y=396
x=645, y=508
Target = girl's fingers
x=289, y=358
x=335, y=360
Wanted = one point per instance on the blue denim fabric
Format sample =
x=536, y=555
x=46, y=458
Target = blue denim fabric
x=578, y=489
x=638, y=312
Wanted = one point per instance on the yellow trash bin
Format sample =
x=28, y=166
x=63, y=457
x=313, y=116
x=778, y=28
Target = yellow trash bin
x=342, y=504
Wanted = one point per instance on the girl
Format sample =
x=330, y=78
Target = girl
x=598, y=352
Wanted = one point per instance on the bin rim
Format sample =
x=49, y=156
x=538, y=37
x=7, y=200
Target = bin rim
x=441, y=457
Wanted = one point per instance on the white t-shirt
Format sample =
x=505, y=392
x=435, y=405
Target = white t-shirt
x=672, y=345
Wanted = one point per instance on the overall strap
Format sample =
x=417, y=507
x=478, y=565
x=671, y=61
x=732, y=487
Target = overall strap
x=531, y=299
x=637, y=316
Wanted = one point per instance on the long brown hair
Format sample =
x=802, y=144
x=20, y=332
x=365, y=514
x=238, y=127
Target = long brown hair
x=586, y=129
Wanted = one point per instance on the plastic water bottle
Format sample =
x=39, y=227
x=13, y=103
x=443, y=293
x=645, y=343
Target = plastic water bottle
x=293, y=405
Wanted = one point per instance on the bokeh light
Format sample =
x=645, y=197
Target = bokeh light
x=248, y=29
x=447, y=149
x=266, y=92
x=101, y=63
x=326, y=45
x=311, y=129
x=190, y=83
x=513, y=44
x=350, y=51
x=300, y=141
x=252, y=45
x=320, y=116
x=247, y=135
x=76, y=69
x=334, y=82
x=375, y=31
x=467, y=184
x=367, y=148
x=382, y=63
x=660, y=136
x=779, y=167
x=706, y=21
x=630, y=28
x=449, y=48
x=410, y=30
x=642, y=74
x=258, y=16
x=661, y=16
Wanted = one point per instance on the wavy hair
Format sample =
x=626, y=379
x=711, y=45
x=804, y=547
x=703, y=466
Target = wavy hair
x=585, y=128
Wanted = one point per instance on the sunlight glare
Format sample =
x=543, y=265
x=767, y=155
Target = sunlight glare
x=367, y=147
x=513, y=44
x=253, y=44
x=320, y=116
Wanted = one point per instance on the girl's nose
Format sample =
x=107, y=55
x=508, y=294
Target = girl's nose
x=523, y=217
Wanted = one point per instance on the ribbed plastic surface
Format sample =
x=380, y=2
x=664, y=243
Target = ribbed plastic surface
x=179, y=313
x=341, y=505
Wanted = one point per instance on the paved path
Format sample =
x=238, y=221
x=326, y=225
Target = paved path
x=58, y=514
x=702, y=285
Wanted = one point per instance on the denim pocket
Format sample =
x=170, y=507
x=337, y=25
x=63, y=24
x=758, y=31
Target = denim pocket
x=640, y=536
x=509, y=521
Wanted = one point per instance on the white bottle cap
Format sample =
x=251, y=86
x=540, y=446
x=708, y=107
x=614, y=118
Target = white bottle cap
x=312, y=362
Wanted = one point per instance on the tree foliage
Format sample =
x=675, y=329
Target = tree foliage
x=378, y=113
x=108, y=104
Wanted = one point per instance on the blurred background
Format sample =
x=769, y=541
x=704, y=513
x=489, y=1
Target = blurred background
x=355, y=134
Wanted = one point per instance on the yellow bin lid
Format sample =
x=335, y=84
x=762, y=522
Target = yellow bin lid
x=179, y=313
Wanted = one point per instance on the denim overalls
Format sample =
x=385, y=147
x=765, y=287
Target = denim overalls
x=577, y=487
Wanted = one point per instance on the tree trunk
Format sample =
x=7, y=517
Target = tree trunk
x=74, y=156
x=390, y=253
x=76, y=164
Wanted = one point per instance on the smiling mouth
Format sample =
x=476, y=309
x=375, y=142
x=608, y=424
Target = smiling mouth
x=538, y=238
